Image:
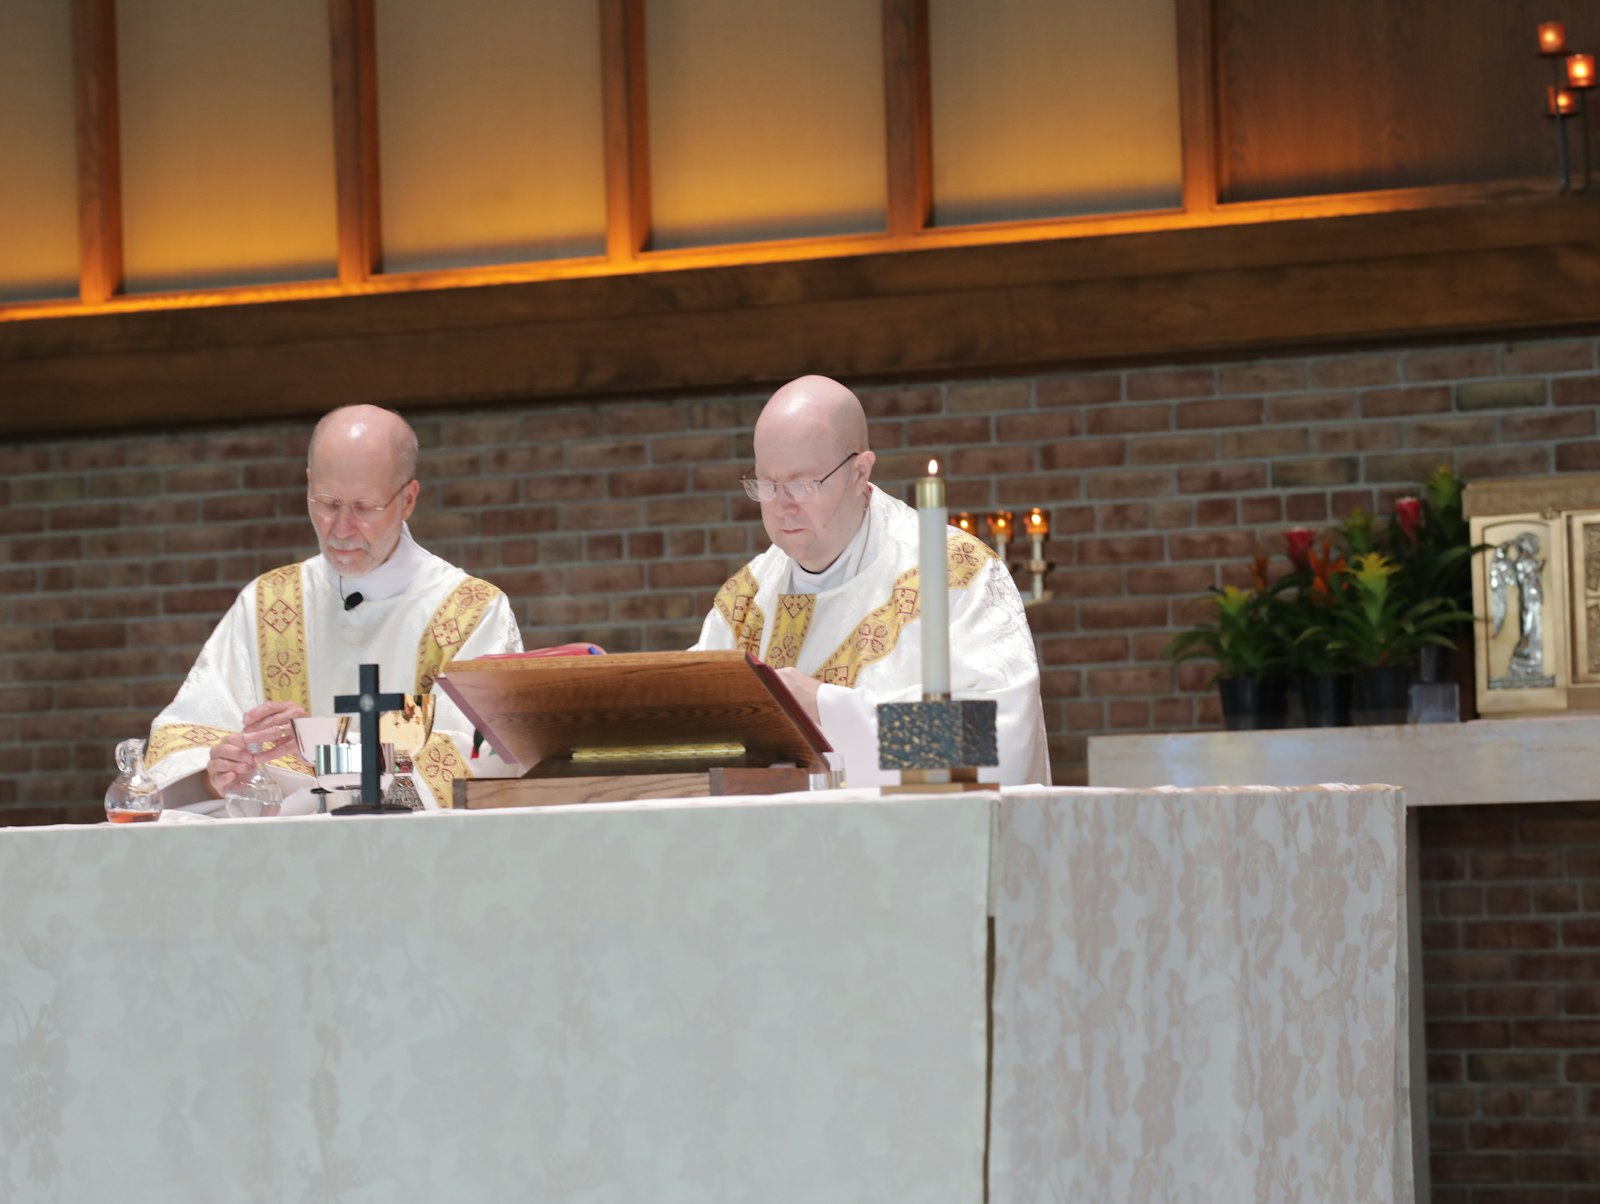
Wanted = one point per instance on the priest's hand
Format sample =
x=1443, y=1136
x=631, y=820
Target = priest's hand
x=804, y=690
x=267, y=729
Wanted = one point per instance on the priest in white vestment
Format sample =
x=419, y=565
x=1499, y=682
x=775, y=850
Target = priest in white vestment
x=294, y=638
x=833, y=603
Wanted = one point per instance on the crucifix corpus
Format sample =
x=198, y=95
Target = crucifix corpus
x=369, y=705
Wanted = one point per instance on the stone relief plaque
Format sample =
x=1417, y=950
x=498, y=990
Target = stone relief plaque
x=1583, y=535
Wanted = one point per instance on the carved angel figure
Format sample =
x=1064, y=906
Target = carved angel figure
x=1517, y=564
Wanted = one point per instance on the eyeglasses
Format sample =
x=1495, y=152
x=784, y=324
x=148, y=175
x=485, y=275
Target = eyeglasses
x=324, y=506
x=758, y=490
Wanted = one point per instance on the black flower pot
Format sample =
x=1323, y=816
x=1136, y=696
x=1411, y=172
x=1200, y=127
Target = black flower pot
x=1326, y=698
x=1254, y=703
x=1383, y=695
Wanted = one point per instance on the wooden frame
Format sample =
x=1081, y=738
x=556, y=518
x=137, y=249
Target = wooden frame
x=94, y=37
x=627, y=128
x=355, y=138
x=908, y=108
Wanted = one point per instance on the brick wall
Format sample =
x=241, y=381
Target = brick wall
x=1511, y=966
x=616, y=521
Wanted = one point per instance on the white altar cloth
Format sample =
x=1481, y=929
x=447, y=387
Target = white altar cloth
x=1197, y=995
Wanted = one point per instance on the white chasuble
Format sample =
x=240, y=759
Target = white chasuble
x=289, y=638
x=862, y=638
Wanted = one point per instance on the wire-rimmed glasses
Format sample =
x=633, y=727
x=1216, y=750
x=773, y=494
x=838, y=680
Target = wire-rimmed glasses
x=758, y=490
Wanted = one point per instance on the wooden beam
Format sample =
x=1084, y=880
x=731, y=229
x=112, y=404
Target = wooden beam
x=355, y=138
x=1197, y=105
x=626, y=119
x=909, y=111
x=1520, y=269
x=94, y=38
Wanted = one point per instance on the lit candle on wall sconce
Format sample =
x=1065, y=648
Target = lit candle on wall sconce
x=1037, y=525
x=933, y=566
x=1559, y=102
x=965, y=522
x=1580, y=70
x=1552, y=37
x=1000, y=528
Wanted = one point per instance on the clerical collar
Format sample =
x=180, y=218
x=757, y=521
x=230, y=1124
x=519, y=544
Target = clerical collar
x=845, y=566
x=389, y=579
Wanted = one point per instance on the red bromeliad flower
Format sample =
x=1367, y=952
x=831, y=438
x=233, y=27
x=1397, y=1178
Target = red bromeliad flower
x=1323, y=568
x=1297, y=541
x=1258, y=568
x=1408, y=513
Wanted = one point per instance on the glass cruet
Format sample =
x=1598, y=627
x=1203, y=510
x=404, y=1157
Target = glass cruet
x=134, y=796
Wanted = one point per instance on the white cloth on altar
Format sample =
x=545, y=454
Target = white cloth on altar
x=992, y=653
x=399, y=599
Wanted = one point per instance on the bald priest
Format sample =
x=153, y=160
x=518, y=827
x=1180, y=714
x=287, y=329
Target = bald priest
x=832, y=604
x=295, y=637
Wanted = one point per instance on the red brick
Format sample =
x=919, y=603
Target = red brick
x=1260, y=510
x=1084, y=453
x=895, y=403
x=549, y=425
x=648, y=482
x=665, y=512
x=1077, y=390
x=1232, y=478
x=1552, y=1101
x=686, y=448
x=1170, y=580
x=1553, y=897
x=1581, y=1000
x=1469, y=1034
x=1234, y=411
x=1516, y=865
x=1315, y=407
x=1306, y=508
x=688, y=574
x=1088, y=583
x=462, y=431
x=1164, y=383
x=552, y=487
x=609, y=453
x=1082, y=650
x=14, y=520
x=1243, y=445
x=1128, y=714
x=1124, y=549
x=1211, y=545
x=1558, y=967
x=1459, y=901
x=1468, y=967
x=1578, y=457
x=1561, y=424
x=1369, y=436
x=1325, y=471
x=1450, y=365
x=1128, y=420
x=1120, y=682
x=1576, y=355
x=527, y=458
x=986, y=398
x=1575, y=391
x=1396, y=403
x=521, y=520
x=1518, y=1135
x=1501, y=394
x=1172, y=449
x=946, y=432
x=1521, y=461
x=1354, y=370
x=1560, y=1168
x=482, y=492
x=1063, y=424
x=1515, y=1001
x=1167, y=516
x=1060, y=683
x=1508, y=901
x=1127, y=484
x=992, y=461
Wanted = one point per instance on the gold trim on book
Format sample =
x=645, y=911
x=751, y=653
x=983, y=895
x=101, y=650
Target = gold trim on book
x=281, y=637
x=451, y=627
x=658, y=752
x=736, y=603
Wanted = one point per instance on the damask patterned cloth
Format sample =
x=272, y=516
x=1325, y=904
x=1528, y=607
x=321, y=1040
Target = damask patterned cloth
x=674, y=1002
x=862, y=640
x=288, y=637
x=1201, y=995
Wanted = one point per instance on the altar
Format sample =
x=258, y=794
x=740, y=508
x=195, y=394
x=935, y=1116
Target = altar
x=1024, y=996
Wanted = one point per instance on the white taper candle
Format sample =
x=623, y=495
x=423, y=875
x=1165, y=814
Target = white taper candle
x=933, y=564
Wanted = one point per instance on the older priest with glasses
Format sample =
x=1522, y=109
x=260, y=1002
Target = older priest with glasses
x=832, y=604
x=295, y=636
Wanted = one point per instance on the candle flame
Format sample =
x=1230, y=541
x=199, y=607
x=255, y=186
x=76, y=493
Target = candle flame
x=933, y=468
x=1580, y=70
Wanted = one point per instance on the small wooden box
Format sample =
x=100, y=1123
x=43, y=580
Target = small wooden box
x=1536, y=593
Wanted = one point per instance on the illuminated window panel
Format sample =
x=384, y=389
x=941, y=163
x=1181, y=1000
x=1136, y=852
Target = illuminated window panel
x=38, y=163
x=227, y=143
x=489, y=123
x=766, y=120
x=1043, y=109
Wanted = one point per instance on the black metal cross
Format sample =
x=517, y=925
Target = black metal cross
x=369, y=704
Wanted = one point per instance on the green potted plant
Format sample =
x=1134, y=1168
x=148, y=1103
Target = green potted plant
x=1431, y=541
x=1382, y=629
x=1322, y=669
x=1248, y=645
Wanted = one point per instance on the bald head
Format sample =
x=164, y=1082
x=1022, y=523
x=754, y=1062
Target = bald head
x=814, y=410
x=369, y=433
x=814, y=429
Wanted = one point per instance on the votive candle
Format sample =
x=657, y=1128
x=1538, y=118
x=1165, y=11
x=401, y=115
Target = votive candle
x=933, y=565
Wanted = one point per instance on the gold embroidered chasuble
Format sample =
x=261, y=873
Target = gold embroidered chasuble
x=864, y=637
x=289, y=638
